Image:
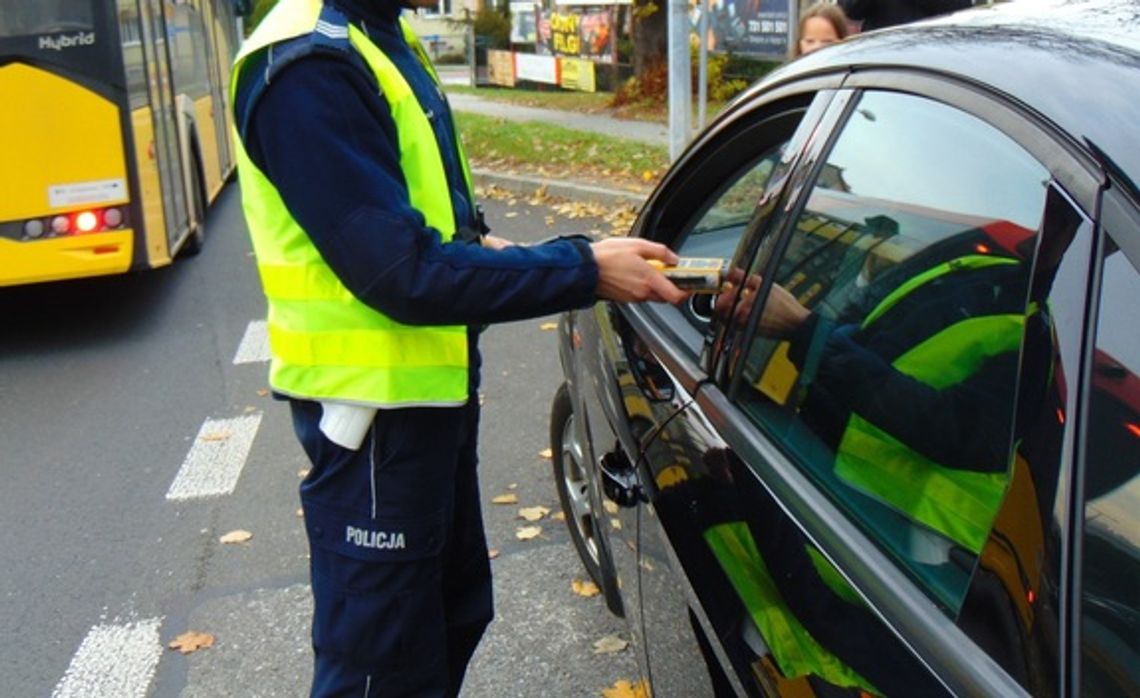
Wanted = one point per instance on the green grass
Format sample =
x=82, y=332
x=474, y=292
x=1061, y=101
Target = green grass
x=554, y=150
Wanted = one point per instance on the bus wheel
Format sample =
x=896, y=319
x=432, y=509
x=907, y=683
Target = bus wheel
x=197, y=238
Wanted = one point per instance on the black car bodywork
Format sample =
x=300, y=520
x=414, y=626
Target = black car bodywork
x=704, y=460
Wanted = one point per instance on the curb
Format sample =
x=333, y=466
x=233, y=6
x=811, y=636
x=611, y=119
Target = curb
x=563, y=189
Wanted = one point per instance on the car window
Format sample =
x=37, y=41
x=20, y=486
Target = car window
x=1110, y=583
x=886, y=358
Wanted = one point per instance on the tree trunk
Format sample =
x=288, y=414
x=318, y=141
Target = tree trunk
x=650, y=36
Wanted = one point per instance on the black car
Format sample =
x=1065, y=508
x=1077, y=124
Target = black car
x=898, y=452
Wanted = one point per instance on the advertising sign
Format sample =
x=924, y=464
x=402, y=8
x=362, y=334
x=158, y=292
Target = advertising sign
x=579, y=32
x=536, y=68
x=749, y=27
x=501, y=67
x=577, y=74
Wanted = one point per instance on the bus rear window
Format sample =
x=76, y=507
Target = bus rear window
x=22, y=18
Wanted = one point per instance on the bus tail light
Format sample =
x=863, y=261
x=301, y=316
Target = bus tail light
x=75, y=223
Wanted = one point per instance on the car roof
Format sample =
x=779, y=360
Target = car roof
x=1076, y=63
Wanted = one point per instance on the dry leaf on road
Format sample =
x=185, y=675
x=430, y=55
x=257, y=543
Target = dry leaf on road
x=533, y=513
x=610, y=506
x=584, y=588
x=508, y=498
x=610, y=644
x=559, y=516
x=492, y=554
x=528, y=532
x=546, y=453
x=547, y=326
x=625, y=689
x=215, y=436
x=236, y=536
x=191, y=641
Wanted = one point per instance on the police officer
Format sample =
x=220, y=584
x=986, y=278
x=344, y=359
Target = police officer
x=378, y=274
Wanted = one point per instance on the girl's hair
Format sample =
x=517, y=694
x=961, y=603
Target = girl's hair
x=829, y=11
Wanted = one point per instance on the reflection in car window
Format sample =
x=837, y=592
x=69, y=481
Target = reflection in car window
x=44, y=17
x=887, y=357
x=1110, y=589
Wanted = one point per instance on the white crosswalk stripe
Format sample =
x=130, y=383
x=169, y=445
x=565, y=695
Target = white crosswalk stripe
x=113, y=661
x=254, y=347
x=216, y=458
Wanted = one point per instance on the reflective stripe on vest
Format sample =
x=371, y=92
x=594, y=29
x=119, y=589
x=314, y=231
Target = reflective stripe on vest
x=960, y=504
x=326, y=344
x=794, y=650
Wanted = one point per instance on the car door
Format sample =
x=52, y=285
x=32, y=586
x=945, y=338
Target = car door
x=890, y=392
x=702, y=210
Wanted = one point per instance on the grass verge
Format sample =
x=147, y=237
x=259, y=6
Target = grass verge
x=553, y=151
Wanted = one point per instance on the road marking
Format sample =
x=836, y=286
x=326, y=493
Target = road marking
x=113, y=661
x=214, y=463
x=254, y=347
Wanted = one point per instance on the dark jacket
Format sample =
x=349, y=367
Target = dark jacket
x=876, y=14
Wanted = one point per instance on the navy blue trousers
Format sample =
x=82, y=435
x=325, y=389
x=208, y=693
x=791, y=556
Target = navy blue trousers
x=398, y=559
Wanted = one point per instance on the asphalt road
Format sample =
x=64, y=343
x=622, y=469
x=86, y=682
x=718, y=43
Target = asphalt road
x=112, y=390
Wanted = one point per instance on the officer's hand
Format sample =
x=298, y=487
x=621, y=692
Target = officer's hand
x=495, y=243
x=625, y=276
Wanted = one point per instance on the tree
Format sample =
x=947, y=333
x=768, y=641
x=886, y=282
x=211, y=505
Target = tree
x=650, y=38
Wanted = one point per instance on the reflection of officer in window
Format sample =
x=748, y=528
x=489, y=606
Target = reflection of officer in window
x=913, y=388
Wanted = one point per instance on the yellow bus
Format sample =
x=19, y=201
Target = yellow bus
x=114, y=132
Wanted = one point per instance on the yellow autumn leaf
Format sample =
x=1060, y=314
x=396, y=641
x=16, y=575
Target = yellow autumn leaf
x=647, y=175
x=303, y=473
x=610, y=506
x=236, y=536
x=492, y=554
x=510, y=214
x=547, y=326
x=214, y=436
x=191, y=641
x=559, y=516
x=546, y=453
x=625, y=689
x=508, y=498
x=609, y=644
x=615, y=524
x=584, y=588
x=533, y=513
x=528, y=532
x=263, y=392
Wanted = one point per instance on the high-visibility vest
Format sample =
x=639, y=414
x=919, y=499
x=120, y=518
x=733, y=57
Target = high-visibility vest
x=959, y=504
x=326, y=344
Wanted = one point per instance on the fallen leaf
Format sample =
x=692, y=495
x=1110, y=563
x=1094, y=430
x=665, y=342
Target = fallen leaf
x=482, y=398
x=528, y=532
x=610, y=644
x=303, y=473
x=191, y=641
x=610, y=506
x=559, y=516
x=263, y=392
x=625, y=689
x=508, y=498
x=492, y=554
x=547, y=326
x=512, y=486
x=249, y=409
x=546, y=453
x=301, y=513
x=584, y=588
x=615, y=524
x=236, y=536
x=215, y=436
x=533, y=513
x=510, y=214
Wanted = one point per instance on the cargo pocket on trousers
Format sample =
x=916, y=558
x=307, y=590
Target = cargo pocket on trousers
x=377, y=588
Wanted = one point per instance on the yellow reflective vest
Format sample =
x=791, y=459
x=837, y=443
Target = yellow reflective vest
x=325, y=344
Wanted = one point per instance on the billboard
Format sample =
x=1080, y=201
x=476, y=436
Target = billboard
x=758, y=28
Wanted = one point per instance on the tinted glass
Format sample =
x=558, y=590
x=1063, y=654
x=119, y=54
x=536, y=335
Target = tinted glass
x=886, y=362
x=1110, y=585
x=23, y=17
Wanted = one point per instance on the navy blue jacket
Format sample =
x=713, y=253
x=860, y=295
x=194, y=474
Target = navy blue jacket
x=324, y=135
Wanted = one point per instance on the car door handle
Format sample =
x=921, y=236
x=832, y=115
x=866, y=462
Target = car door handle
x=620, y=483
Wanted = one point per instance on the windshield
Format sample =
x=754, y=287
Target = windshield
x=21, y=17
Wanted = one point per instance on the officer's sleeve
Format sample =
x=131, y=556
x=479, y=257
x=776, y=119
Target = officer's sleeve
x=326, y=139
